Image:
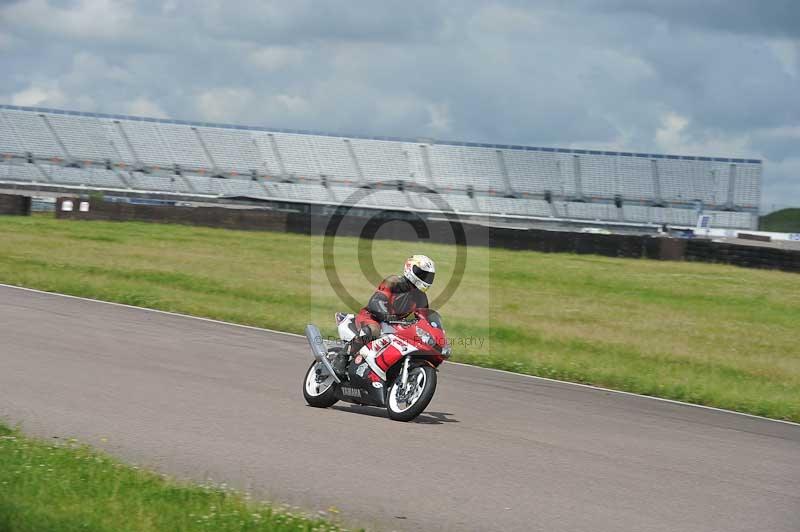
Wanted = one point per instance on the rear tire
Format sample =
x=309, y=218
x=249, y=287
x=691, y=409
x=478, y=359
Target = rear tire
x=319, y=394
x=400, y=411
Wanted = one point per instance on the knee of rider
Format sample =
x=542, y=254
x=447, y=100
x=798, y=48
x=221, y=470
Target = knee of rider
x=368, y=332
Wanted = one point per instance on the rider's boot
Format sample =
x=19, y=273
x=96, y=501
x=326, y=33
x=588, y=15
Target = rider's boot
x=339, y=363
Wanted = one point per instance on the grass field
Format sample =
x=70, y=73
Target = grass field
x=65, y=486
x=709, y=334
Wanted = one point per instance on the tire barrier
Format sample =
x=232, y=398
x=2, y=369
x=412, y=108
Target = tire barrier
x=441, y=231
x=246, y=219
x=749, y=256
x=14, y=204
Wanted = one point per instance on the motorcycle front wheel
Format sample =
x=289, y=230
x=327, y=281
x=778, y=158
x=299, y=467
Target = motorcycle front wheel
x=406, y=404
x=319, y=388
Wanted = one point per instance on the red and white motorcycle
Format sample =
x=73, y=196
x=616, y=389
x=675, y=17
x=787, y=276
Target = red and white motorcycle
x=396, y=371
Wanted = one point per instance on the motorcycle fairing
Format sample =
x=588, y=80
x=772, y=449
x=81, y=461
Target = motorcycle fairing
x=346, y=324
x=385, y=352
x=363, y=387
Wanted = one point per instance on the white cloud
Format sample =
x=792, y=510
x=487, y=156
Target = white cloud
x=676, y=137
x=225, y=104
x=106, y=19
x=170, y=7
x=7, y=41
x=665, y=78
x=89, y=69
x=44, y=95
x=440, y=121
x=507, y=20
x=292, y=104
x=670, y=136
x=788, y=53
x=273, y=58
x=144, y=107
x=783, y=131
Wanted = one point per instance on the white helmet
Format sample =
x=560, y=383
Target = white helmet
x=420, y=270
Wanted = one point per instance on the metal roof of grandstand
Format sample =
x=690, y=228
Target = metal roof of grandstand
x=419, y=140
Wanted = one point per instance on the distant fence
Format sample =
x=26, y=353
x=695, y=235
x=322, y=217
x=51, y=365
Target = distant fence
x=441, y=231
x=13, y=204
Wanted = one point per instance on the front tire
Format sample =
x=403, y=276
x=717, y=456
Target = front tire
x=405, y=407
x=319, y=392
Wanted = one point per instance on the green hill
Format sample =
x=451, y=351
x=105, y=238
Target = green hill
x=782, y=221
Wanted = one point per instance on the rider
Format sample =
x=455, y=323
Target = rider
x=396, y=297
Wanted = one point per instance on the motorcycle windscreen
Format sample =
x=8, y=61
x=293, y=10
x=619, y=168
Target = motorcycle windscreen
x=433, y=317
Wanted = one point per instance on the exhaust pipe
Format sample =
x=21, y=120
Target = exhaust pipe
x=314, y=338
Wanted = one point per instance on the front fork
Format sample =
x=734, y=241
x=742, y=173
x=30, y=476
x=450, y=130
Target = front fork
x=404, y=373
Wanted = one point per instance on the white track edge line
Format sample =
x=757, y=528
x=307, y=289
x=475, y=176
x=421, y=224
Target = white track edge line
x=159, y=311
x=547, y=379
x=622, y=392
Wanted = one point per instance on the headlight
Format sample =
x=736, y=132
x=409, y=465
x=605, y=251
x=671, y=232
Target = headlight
x=446, y=350
x=425, y=337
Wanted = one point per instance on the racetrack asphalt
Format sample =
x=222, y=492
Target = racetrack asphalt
x=494, y=451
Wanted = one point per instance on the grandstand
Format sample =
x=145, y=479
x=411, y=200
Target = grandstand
x=70, y=150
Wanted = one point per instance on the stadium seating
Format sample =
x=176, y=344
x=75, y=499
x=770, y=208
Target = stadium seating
x=147, y=144
x=76, y=149
x=381, y=161
x=441, y=202
x=82, y=138
x=635, y=178
x=598, y=175
x=514, y=206
x=299, y=192
x=204, y=185
x=171, y=183
x=532, y=172
x=100, y=177
x=21, y=172
x=333, y=159
x=9, y=143
x=120, y=147
x=33, y=135
x=241, y=187
x=386, y=198
x=232, y=149
x=183, y=147
x=297, y=155
x=590, y=211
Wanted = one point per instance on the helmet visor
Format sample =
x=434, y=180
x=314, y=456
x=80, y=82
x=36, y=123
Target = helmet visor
x=423, y=275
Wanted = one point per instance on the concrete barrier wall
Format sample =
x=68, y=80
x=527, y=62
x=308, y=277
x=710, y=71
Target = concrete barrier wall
x=402, y=226
x=14, y=204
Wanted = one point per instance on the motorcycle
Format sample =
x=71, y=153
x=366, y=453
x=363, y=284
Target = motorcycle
x=396, y=371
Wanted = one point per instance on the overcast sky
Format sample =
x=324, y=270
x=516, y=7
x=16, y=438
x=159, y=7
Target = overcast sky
x=713, y=77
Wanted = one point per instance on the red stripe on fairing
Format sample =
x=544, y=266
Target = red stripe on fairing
x=381, y=362
x=388, y=357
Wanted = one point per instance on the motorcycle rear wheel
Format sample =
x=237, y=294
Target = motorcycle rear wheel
x=319, y=394
x=423, y=378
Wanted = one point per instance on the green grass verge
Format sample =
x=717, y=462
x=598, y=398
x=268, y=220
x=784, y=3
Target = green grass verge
x=782, y=221
x=708, y=334
x=69, y=487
